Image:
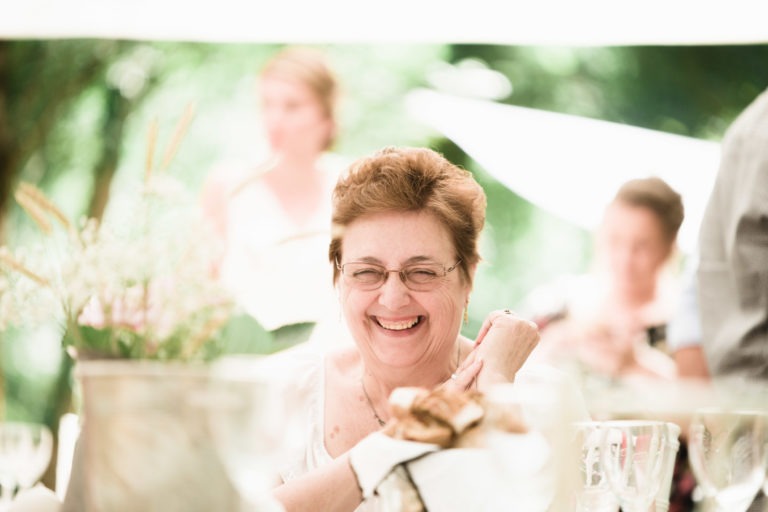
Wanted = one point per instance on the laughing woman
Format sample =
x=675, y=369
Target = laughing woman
x=406, y=224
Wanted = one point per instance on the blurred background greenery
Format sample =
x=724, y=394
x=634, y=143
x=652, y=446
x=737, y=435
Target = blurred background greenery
x=74, y=118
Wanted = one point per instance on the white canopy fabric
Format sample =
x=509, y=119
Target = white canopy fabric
x=514, y=22
x=570, y=165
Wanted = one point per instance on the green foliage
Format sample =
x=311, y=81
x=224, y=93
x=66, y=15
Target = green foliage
x=244, y=335
x=689, y=90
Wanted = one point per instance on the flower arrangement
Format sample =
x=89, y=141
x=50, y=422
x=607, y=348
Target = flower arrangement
x=139, y=288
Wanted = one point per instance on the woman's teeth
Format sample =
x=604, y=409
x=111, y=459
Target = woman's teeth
x=400, y=325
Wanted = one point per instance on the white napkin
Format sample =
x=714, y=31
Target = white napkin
x=498, y=478
x=376, y=455
x=455, y=479
x=36, y=499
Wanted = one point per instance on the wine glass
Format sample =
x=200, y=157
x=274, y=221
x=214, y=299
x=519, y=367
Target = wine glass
x=632, y=454
x=727, y=455
x=25, y=452
x=594, y=493
x=672, y=446
x=255, y=422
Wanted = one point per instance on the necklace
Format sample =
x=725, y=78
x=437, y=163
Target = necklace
x=376, y=416
x=370, y=404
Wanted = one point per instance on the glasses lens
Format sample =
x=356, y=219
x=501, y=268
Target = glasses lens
x=364, y=274
x=423, y=276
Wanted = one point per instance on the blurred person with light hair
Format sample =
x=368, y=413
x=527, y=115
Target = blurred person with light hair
x=613, y=321
x=272, y=216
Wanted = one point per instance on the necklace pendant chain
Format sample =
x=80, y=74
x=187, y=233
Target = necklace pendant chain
x=370, y=404
x=376, y=416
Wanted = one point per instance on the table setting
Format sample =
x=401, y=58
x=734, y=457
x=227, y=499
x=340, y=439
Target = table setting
x=512, y=448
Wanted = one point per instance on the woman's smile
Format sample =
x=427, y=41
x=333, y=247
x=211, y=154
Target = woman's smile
x=400, y=325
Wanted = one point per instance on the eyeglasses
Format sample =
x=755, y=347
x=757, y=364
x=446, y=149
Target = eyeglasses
x=419, y=277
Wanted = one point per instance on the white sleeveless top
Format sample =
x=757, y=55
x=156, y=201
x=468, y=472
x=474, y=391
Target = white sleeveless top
x=277, y=269
x=309, y=368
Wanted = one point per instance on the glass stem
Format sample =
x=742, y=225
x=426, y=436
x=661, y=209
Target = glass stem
x=7, y=488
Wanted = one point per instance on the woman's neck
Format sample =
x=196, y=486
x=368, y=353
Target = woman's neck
x=636, y=298
x=298, y=186
x=295, y=165
x=381, y=381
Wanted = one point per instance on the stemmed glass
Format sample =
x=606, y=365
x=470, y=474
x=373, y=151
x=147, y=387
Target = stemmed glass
x=727, y=451
x=632, y=454
x=593, y=492
x=254, y=419
x=25, y=452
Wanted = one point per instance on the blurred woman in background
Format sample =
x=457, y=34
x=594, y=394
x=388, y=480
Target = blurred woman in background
x=272, y=217
x=613, y=322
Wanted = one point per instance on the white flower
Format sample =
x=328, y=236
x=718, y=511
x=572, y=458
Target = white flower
x=139, y=287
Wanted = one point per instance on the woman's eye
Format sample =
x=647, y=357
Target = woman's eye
x=366, y=272
x=422, y=273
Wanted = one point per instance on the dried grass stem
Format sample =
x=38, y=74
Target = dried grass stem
x=8, y=260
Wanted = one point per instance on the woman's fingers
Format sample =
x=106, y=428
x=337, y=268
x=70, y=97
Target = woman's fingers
x=505, y=348
x=511, y=343
x=464, y=376
x=471, y=357
x=489, y=320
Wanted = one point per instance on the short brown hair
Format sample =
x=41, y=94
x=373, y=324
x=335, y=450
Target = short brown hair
x=656, y=195
x=411, y=180
x=310, y=67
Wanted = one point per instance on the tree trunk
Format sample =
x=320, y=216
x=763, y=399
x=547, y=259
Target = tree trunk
x=117, y=110
x=6, y=140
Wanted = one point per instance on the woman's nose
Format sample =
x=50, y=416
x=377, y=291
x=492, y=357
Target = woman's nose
x=393, y=294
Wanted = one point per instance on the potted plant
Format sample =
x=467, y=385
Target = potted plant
x=142, y=314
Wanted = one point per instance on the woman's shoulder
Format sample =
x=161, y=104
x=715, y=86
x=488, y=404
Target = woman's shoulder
x=305, y=359
x=299, y=356
x=230, y=177
x=225, y=174
x=343, y=361
x=333, y=163
x=333, y=166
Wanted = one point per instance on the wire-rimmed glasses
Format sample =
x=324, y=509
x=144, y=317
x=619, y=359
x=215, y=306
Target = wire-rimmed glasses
x=419, y=277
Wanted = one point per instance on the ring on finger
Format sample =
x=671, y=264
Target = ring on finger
x=454, y=376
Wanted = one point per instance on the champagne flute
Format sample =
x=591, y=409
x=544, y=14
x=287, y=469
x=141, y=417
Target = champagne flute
x=632, y=454
x=25, y=452
x=672, y=446
x=594, y=493
x=727, y=455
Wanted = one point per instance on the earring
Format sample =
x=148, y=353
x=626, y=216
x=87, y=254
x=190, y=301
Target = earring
x=466, y=315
